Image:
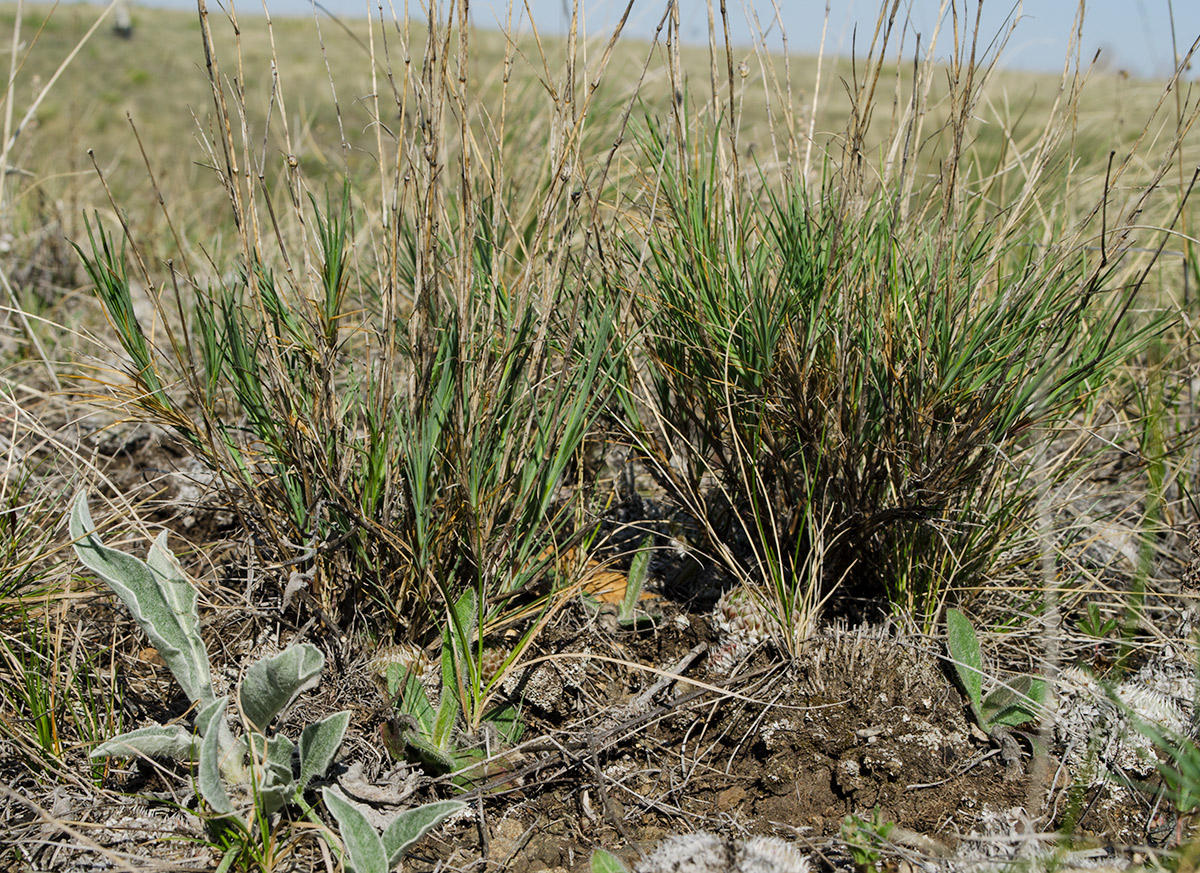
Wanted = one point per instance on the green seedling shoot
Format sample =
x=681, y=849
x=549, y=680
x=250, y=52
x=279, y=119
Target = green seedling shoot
x=1095, y=625
x=866, y=838
x=1010, y=704
x=629, y=615
x=431, y=735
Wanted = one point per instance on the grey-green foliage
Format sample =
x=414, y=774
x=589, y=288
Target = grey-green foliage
x=1011, y=704
x=235, y=774
x=369, y=852
x=158, y=594
x=1176, y=752
x=1177, y=760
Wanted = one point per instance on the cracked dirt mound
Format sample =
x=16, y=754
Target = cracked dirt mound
x=861, y=722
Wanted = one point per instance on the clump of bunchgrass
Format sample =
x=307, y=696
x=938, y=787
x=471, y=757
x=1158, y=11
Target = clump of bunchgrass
x=840, y=379
x=394, y=386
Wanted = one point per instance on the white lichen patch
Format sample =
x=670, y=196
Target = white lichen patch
x=777, y=734
x=703, y=852
x=1099, y=726
x=545, y=684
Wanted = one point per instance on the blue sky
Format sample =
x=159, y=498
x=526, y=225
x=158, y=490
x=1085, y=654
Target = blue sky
x=1133, y=34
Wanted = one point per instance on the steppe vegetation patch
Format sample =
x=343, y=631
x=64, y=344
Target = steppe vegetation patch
x=428, y=445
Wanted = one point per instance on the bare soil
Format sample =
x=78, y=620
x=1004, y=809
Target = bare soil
x=629, y=736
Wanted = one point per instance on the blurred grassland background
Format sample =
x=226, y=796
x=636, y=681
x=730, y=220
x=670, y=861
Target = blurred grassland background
x=157, y=81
